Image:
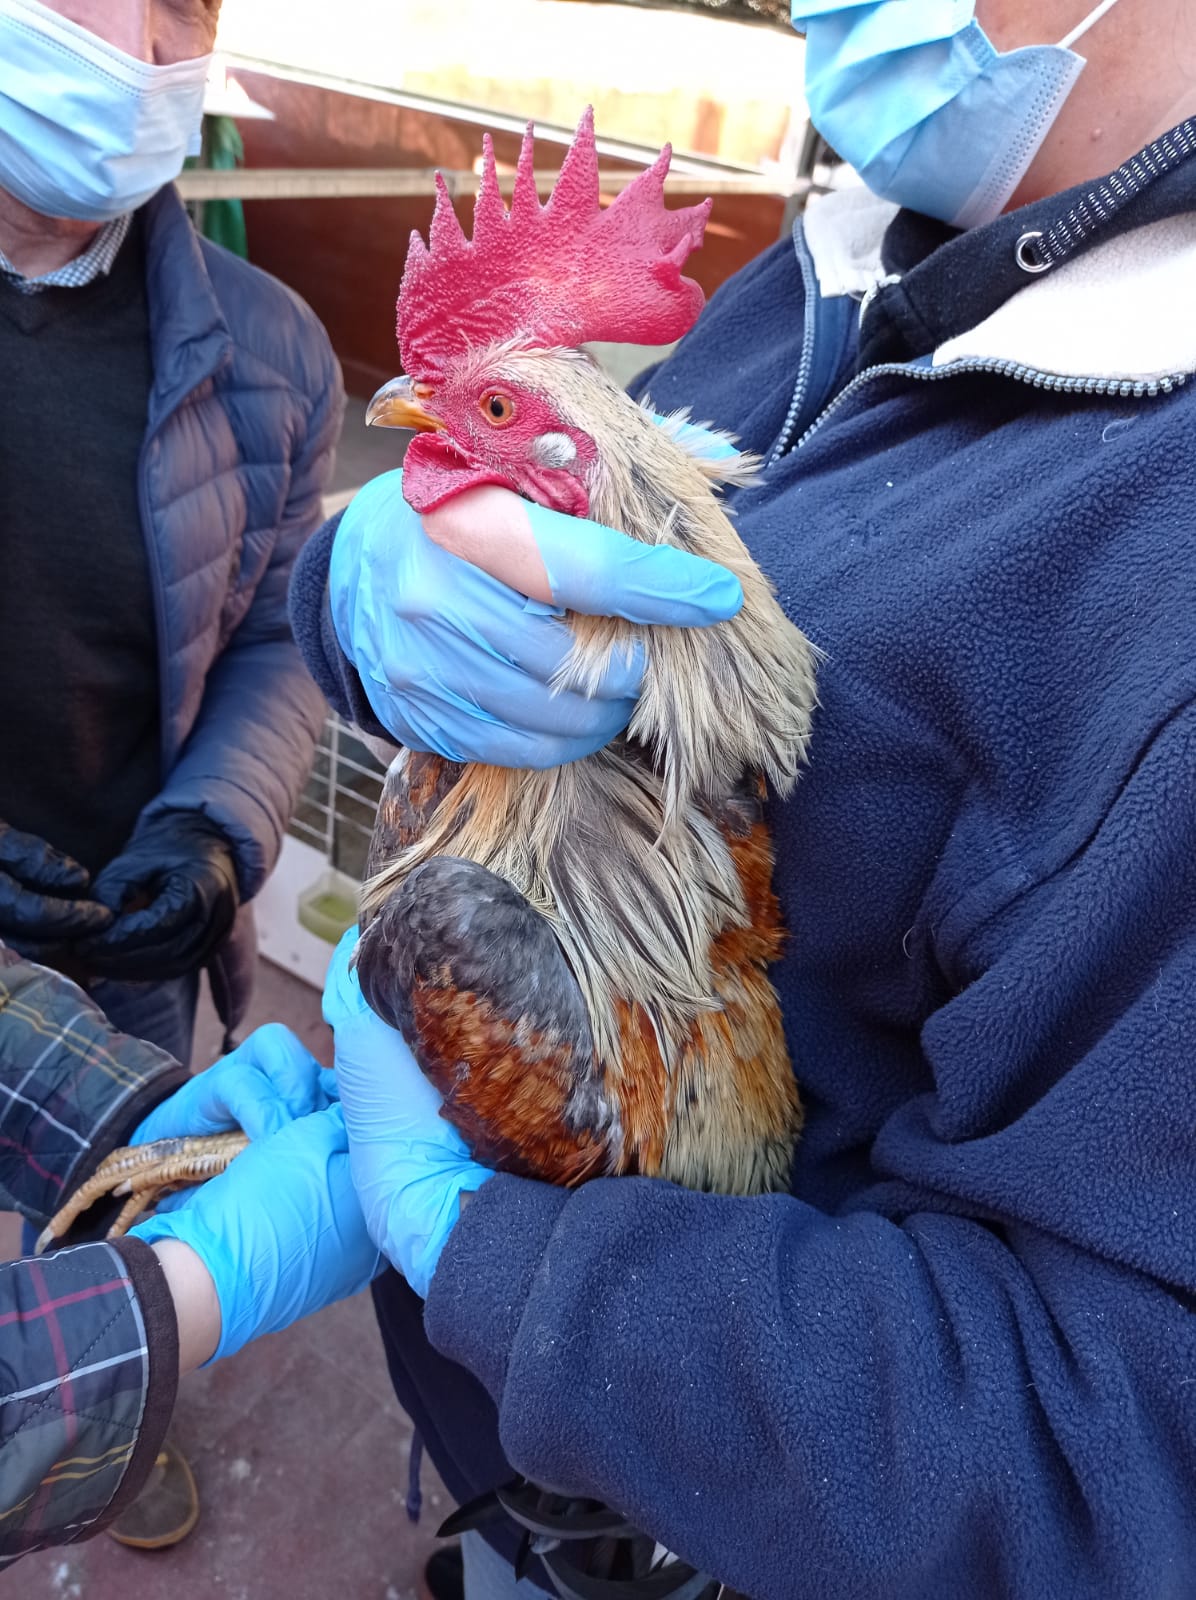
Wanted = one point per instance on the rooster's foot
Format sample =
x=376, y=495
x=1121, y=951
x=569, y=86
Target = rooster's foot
x=144, y=1173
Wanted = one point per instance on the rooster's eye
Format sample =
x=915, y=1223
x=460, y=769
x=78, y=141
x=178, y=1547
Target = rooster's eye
x=497, y=408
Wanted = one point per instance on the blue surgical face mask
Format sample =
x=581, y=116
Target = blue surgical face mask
x=87, y=131
x=930, y=114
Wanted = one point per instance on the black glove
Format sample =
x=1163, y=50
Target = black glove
x=44, y=898
x=174, y=890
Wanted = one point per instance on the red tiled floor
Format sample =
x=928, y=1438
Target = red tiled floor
x=298, y=1446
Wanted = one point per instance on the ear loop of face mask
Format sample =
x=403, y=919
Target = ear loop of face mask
x=1077, y=58
x=1081, y=28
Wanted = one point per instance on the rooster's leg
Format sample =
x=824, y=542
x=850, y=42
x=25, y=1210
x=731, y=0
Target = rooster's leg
x=475, y=980
x=142, y=1173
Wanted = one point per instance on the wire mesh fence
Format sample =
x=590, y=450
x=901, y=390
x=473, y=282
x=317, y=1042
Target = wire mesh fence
x=336, y=810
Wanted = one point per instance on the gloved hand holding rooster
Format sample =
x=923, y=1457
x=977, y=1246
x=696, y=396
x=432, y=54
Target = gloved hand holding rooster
x=453, y=620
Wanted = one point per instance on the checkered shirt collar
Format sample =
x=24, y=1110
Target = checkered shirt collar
x=95, y=262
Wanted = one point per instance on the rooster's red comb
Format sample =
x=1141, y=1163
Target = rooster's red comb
x=560, y=273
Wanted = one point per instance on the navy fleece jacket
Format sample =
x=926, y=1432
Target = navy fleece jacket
x=960, y=1359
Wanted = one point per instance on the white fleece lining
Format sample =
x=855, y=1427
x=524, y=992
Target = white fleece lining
x=1124, y=310
x=844, y=230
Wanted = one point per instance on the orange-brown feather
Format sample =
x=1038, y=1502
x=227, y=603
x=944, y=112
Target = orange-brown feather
x=732, y=1100
x=505, y=1088
x=641, y=1092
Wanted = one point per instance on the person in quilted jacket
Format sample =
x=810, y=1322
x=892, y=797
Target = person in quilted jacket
x=167, y=425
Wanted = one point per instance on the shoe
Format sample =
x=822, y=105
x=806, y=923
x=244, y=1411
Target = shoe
x=443, y=1577
x=165, y=1511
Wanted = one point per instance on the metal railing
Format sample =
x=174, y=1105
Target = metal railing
x=350, y=183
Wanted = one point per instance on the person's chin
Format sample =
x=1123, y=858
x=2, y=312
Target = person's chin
x=45, y=223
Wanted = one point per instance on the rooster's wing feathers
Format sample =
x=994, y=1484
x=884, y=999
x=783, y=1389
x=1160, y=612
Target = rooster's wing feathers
x=474, y=979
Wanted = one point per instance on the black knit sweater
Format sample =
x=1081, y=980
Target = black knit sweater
x=78, y=644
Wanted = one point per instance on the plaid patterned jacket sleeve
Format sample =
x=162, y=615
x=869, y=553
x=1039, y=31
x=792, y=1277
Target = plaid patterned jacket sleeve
x=87, y=1385
x=71, y=1087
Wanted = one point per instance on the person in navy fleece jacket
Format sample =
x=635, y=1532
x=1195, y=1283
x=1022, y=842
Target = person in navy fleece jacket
x=960, y=1358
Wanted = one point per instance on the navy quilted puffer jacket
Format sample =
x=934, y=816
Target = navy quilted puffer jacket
x=244, y=415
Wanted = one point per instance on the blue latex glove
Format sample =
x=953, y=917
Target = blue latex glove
x=410, y=1167
x=455, y=662
x=281, y=1232
x=260, y=1086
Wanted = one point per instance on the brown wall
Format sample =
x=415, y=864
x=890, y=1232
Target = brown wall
x=345, y=257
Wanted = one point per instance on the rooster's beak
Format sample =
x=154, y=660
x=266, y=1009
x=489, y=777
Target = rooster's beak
x=399, y=404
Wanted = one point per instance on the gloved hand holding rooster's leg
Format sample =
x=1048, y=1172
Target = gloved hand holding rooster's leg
x=249, y=1094
x=275, y=1238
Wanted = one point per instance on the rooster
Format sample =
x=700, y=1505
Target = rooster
x=577, y=957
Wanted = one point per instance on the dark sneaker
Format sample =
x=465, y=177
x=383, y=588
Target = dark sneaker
x=443, y=1577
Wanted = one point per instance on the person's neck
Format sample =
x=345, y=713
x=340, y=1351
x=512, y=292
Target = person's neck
x=35, y=244
x=1139, y=82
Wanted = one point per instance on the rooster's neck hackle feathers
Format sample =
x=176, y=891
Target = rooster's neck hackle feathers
x=562, y=273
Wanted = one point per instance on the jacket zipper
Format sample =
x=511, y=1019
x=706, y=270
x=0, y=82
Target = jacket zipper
x=1120, y=388
x=805, y=261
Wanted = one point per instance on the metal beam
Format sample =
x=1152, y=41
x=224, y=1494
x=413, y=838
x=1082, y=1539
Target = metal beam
x=325, y=183
x=480, y=116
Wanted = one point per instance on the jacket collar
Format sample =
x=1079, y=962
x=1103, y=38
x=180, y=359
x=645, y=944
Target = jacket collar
x=1107, y=305
x=845, y=231
x=189, y=334
x=1122, y=311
